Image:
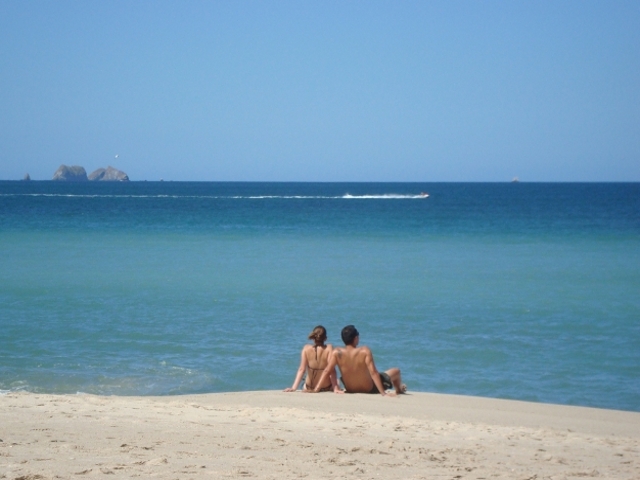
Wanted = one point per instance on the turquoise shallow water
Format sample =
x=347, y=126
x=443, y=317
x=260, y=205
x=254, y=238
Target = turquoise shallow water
x=524, y=291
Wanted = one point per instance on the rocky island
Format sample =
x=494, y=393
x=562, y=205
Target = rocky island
x=109, y=174
x=77, y=173
x=73, y=173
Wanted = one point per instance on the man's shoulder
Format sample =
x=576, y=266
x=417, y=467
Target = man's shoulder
x=352, y=352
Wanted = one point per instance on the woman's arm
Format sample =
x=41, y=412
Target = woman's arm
x=301, y=369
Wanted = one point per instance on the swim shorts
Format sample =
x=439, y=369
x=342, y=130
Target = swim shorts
x=386, y=383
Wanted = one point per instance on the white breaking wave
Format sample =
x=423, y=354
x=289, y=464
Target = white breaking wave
x=386, y=196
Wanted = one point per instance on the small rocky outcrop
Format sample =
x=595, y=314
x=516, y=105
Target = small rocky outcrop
x=74, y=173
x=108, y=174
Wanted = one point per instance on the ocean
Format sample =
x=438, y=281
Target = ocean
x=527, y=291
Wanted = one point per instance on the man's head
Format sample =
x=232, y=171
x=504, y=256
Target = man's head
x=349, y=334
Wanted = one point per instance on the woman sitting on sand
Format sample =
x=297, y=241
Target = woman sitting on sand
x=313, y=360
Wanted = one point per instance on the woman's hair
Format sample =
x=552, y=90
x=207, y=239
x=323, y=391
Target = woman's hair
x=319, y=334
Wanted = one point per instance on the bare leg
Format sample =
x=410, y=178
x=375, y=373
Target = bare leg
x=396, y=380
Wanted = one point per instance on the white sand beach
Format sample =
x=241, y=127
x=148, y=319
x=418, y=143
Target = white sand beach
x=271, y=434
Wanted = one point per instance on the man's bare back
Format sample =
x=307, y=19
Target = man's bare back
x=358, y=370
x=359, y=373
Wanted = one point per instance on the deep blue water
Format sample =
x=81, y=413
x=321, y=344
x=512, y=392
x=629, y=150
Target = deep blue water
x=523, y=291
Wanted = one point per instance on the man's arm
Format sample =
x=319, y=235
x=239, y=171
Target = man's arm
x=373, y=371
x=332, y=376
x=334, y=382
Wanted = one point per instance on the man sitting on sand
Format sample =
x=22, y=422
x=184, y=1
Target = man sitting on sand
x=359, y=373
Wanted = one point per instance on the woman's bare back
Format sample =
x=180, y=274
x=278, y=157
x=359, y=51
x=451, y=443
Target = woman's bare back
x=317, y=360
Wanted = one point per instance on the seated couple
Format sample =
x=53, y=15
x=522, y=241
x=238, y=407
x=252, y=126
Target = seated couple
x=359, y=373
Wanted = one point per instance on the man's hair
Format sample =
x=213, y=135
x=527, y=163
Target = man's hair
x=349, y=334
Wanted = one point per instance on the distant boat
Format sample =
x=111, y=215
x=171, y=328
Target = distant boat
x=424, y=194
x=515, y=180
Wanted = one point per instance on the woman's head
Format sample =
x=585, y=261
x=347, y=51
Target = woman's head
x=319, y=334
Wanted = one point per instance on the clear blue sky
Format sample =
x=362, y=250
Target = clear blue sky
x=322, y=91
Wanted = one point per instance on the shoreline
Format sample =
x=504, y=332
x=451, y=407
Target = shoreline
x=271, y=434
